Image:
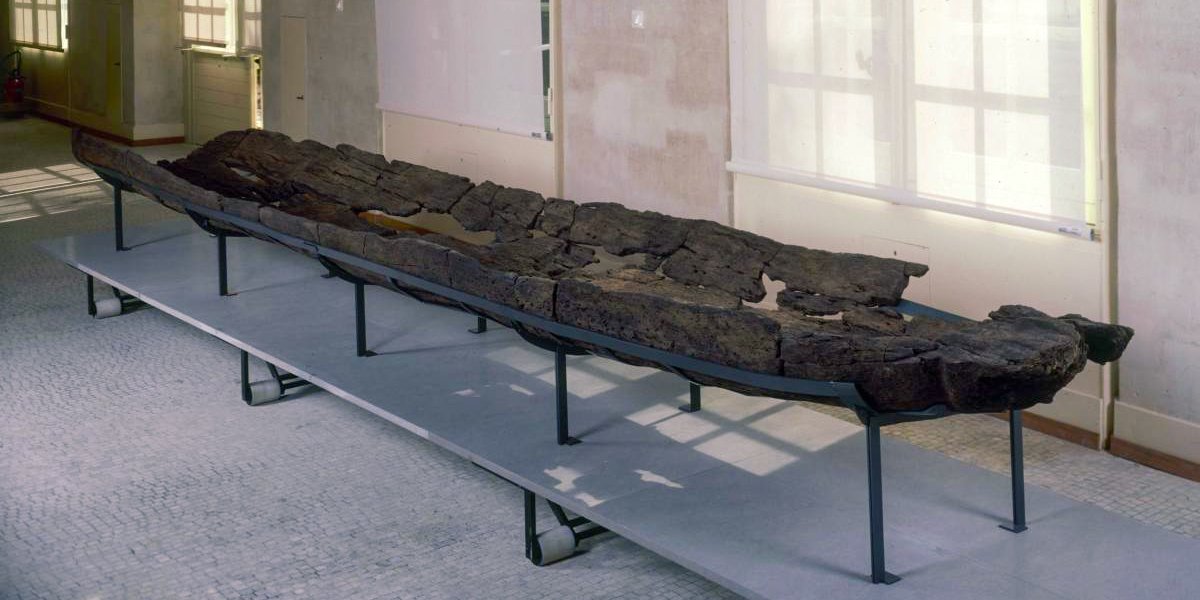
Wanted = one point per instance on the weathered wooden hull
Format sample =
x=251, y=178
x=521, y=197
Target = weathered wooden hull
x=678, y=285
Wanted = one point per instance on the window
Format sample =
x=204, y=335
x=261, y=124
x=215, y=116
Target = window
x=251, y=34
x=222, y=25
x=38, y=23
x=204, y=22
x=982, y=107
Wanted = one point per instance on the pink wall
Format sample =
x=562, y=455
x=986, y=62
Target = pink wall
x=646, y=111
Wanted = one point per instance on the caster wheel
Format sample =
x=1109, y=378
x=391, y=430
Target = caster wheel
x=108, y=307
x=262, y=392
x=553, y=545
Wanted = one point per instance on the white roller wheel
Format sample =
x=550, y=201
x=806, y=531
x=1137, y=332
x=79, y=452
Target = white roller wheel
x=262, y=392
x=108, y=307
x=556, y=544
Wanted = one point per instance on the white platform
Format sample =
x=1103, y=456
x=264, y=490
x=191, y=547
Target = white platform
x=762, y=496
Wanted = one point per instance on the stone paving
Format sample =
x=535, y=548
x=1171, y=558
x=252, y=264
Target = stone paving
x=129, y=468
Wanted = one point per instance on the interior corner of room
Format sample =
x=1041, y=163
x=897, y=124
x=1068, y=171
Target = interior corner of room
x=666, y=106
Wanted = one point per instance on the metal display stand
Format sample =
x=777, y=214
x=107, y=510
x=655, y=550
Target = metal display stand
x=255, y=393
x=693, y=404
x=121, y=303
x=559, y=542
x=567, y=339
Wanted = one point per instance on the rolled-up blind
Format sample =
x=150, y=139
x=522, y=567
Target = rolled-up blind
x=982, y=107
x=464, y=61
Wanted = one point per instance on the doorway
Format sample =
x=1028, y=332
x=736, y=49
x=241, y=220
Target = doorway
x=113, y=80
x=293, y=77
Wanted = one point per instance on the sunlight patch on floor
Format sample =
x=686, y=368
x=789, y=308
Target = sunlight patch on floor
x=28, y=205
x=26, y=180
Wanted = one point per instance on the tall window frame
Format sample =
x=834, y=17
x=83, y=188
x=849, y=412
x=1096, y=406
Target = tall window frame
x=221, y=26
x=39, y=24
x=1072, y=203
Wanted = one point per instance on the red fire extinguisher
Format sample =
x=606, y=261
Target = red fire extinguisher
x=14, y=85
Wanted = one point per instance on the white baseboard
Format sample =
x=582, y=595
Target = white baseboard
x=481, y=154
x=1077, y=409
x=1156, y=431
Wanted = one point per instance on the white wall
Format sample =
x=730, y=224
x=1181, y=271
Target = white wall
x=481, y=154
x=155, y=98
x=1158, y=147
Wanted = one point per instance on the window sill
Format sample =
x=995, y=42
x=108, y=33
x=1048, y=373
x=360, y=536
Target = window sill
x=205, y=49
x=37, y=47
x=1074, y=229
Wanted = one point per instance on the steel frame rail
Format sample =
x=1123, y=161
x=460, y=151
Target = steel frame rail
x=567, y=340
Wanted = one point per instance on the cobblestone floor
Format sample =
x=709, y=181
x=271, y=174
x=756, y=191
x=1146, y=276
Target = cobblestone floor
x=130, y=469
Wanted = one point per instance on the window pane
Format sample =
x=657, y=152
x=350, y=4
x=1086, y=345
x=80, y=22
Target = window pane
x=252, y=24
x=945, y=151
x=1016, y=57
x=23, y=22
x=943, y=43
x=204, y=33
x=1017, y=161
x=191, y=30
x=41, y=36
x=850, y=150
x=793, y=142
x=50, y=19
x=790, y=36
x=847, y=38
x=204, y=21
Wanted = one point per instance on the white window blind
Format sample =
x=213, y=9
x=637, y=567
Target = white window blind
x=205, y=22
x=463, y=61
x=981, y=107
x=251, y=19
x=38, y=23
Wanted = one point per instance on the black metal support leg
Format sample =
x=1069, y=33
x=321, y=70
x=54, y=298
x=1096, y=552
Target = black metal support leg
x=1016, y=454
x=879, y=572
x=557, y=543
x=560, y=390
x=118, y=219
x=222, y=265
x=91, y=296
x=530, y=525
x=480, y=326
x=245, y=376
x=694, y=404
x=270, y=390
x=360, y=319
x=120, y=303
